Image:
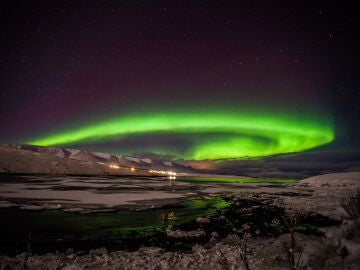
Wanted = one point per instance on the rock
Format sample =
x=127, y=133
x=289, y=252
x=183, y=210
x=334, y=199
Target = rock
x=70, y=251
x=98, y=252
x=202, y=220
x=213, y=237
x=198, y=249
x=196, y=234
x=46, y=261
x=71, y=256
x=151, y=250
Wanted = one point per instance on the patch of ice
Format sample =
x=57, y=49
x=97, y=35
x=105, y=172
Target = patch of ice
x=6, y=204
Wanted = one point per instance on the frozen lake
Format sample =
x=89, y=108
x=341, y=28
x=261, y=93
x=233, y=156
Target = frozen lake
x=57, y=212
x=94, y=193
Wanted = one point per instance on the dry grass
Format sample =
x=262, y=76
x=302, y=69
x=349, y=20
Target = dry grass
x=241, y=243
x=291, y=246
x=351, y=205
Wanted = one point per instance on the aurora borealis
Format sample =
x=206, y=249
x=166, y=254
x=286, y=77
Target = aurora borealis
x=193, y=80
x=213, y=135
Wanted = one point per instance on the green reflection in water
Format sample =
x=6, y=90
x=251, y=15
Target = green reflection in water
x=56, y=224
x=234, y=180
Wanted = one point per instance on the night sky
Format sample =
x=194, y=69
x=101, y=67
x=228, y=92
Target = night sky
x=193, y=79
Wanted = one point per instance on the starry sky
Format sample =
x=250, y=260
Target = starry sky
x=193, y=79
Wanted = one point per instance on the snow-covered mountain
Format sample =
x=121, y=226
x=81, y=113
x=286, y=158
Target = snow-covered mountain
x=21, y=158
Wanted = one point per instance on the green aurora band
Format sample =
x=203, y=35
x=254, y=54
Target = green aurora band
x=214, y=134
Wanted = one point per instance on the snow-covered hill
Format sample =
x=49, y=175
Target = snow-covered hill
x=20, y=158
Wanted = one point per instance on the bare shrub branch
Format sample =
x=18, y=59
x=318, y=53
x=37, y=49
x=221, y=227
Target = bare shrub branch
x=351, y=205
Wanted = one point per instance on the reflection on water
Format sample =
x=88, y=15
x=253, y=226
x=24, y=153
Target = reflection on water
x=169, y=220
x=233, y=179
x=171, y=179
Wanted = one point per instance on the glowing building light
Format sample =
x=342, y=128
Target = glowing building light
x=114, y=166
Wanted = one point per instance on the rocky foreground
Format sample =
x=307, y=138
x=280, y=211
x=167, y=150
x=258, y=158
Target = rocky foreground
x=316, y=226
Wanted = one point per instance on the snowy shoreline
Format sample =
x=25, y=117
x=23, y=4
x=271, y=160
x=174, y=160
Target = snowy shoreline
x=332, y=246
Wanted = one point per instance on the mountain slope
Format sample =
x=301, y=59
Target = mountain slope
x=18, y=158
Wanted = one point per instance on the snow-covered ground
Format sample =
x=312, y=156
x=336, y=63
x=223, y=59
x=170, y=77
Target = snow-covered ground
x=337, y=248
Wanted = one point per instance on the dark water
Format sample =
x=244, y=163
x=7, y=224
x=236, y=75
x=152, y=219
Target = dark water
x=52, y=230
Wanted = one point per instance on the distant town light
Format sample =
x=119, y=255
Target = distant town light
x=170, y=173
